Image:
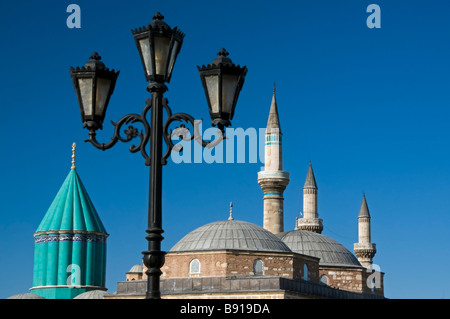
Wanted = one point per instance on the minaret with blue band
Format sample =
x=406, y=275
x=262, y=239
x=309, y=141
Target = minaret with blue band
x=273, y=180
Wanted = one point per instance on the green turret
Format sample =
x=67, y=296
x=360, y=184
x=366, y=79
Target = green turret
x=70, y=244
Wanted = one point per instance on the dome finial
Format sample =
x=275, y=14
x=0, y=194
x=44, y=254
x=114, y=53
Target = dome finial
x=74, y=145
x=231, y=211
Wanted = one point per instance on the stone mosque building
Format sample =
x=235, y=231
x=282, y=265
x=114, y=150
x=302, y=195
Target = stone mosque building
x=237, y=259
x=224, y=259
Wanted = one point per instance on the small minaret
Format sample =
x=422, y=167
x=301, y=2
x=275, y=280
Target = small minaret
x=364, y=249
x=273, y=180
x=310, y=220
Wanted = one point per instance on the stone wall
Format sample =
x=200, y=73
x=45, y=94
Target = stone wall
x=353, y=279
x=133, y=276
x=240, y=263
x=253, y=287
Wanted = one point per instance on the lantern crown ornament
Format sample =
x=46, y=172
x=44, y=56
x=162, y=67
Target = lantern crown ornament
x=94, y=84
x=158, y=45
x=158, y=23
x=94, y=62
x=222, y=58
x=222, y=81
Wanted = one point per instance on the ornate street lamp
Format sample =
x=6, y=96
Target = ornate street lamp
x=158, y=46
x=94, y=85
x=222, y=81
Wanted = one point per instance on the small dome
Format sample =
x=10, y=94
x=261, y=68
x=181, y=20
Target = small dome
x=26, y=295
x=230, y=234
x=136, y=269
x=330, y=252
x=93, y=294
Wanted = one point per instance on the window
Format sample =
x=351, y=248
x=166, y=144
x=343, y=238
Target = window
x=305, y=272
x=194, y=267
x=258, y=268
x=323, y=280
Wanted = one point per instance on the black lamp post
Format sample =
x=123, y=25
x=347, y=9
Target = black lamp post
x=158, y=46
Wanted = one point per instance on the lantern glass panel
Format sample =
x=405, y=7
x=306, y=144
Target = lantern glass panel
x=146, y=54
x=173, y=57
x=229, y=86
x=162, y=46
x=85, y=85
x=103, y=86
x=212, y=84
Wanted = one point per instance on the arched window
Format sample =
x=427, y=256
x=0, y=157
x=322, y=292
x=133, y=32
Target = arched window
x=194, y=267
x=323, y=280
x=258, y=267
x=305, y=272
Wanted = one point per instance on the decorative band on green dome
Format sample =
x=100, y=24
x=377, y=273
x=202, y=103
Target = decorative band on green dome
x=89, y=238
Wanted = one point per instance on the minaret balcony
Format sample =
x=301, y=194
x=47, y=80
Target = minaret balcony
x=273, y=181
x=310, y=224
x=365, y=250
x=273, y=174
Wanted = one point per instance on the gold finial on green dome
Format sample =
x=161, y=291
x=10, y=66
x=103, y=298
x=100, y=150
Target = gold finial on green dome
x=74, y=145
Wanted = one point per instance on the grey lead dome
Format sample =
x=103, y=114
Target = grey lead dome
x=26, y=295
x=230, y=234
x=330, y=252
x=93, y=294
x=136, y=269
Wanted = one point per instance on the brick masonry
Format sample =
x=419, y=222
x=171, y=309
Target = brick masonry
x=240, y=263
x=353, y=279
x=259, y=287
x=216, y=265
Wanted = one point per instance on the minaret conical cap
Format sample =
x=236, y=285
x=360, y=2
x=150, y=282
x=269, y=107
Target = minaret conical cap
x=273, y=121
x=310, y=181
x=364, y=211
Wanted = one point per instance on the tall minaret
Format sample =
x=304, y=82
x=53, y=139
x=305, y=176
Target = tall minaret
x=272, y=179
x=310, y=220
x=364, y=249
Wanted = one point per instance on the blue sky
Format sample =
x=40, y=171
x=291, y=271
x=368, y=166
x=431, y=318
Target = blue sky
x=369, y=108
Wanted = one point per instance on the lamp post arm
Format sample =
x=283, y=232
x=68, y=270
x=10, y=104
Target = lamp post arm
x=182, y=132
x=131, y=132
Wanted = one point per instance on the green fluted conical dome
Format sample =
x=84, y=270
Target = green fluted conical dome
x=72, y=209
x=70, y=244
